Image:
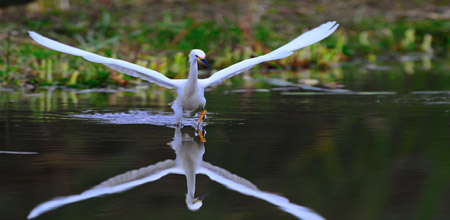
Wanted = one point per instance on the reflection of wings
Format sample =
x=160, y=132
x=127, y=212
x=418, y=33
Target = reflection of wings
x=245, y=187
x=115, y=184
x=157, y=171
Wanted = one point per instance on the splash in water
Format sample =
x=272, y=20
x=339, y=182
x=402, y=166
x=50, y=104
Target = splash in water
x=153, y=117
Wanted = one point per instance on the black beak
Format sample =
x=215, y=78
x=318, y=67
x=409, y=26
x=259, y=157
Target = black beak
x=206, y=63
x=202, y=197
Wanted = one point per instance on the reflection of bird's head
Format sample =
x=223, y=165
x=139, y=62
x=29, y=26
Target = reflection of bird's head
x=200, y=56
x=195, y=204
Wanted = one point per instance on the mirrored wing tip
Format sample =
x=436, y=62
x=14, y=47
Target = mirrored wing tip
x=31, y=216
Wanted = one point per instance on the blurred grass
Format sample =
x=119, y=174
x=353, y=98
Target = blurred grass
x=163, y=44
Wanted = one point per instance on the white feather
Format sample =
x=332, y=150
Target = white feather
x=313, y=36
x=245, y=187
x=191, y=92
x=113, y=185
x=119, y=65
x=189, y=162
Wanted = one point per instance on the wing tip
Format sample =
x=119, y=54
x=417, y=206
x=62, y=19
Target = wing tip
x=334, y=26
x=330, y=26
x=36, y=37
x=33, y=34
x=32, y=215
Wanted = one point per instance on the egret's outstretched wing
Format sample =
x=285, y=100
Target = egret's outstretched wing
x=245, y=187
x=115, y=64
x=313, y=36
x=115, y=184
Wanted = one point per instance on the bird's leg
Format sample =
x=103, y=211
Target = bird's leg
x=202, y=115
x=201, y=136
x=178, y=110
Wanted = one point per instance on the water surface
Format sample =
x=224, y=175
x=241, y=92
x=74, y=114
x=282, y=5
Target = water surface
x=366, y=155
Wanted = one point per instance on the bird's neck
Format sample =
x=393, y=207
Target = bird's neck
x=190, y=179
x=193, y=71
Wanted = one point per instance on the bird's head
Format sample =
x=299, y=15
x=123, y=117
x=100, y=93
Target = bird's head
x=199, y=55
x=195, y=204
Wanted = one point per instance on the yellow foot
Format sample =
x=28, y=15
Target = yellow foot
x=202, y=115
x=202, y=138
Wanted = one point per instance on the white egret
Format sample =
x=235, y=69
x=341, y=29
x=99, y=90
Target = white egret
x=191, y=91
x=188, y=162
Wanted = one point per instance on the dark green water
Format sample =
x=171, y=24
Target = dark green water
x=355, y=156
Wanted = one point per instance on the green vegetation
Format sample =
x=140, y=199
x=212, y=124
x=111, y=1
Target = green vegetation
x=164, y=43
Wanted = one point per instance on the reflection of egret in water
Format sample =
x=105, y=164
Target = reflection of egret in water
x=188, y=162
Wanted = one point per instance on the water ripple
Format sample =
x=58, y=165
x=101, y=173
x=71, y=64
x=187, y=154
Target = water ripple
x=152, y=117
